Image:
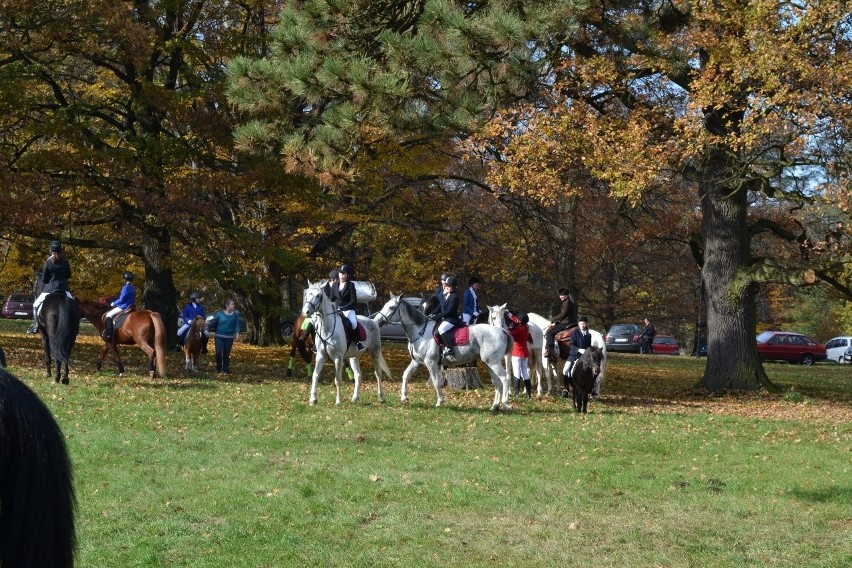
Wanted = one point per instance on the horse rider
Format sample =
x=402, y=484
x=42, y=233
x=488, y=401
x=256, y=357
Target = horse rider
x=560, y=322
x=581, y=340
x=470, y=305
x=446, y=314
x=333, y=279
x=435, y=300
x=126, y=299
x=54, y=277
x=346, y=299
x=191, y=310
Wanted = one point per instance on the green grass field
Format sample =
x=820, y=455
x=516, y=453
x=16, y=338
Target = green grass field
x=193, y=470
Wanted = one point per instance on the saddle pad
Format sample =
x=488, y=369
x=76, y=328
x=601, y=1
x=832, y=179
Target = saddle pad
x=461, y=335
x=119, y=319
x=362, y=332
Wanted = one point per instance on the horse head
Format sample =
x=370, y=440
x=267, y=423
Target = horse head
x=313, y=299
x=390, y=311
x=495, y=315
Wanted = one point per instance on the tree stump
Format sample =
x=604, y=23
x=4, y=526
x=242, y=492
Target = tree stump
x=462, y=378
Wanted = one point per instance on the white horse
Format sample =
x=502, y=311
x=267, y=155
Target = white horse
x=485, y=342
x=331, y=343
x=538, y=366
x=551, y=371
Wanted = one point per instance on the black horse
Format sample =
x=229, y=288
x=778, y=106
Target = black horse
x=583, y=374
x=59, y=324
x=36, y=491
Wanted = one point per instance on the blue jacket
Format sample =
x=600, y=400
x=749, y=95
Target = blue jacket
x=126, y=298
x=191, y=310
x=471, y=303
x=579, y=341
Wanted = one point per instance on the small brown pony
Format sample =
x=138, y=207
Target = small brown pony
x=193, y=343
x=304, y=342
x=141, y=327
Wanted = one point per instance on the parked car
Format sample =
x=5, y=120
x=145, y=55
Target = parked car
x=623, y=337
x=837, y=346
x=665, y=345
x=847, y=356
x=788, y=346
x=18, y=305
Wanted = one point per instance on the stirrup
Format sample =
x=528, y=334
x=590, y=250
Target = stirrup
x=33, y=328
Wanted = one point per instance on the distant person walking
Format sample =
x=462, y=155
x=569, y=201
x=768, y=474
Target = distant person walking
x=647, y=337
x=226, y=325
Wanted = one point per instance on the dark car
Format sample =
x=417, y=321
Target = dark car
x=18, y=305
x=623, y=337
x=665, y=345
x=789, y=346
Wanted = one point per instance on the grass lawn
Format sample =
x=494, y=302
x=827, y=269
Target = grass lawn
x=194, y=470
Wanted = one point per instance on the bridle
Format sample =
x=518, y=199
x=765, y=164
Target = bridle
x=386, y=319
x=315, y=303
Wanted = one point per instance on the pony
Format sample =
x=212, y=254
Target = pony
x=538, y=362
x=59, y=324
x=485, y=342
x=141, y=327
x=192, y=345
x=562, y=352
x=584, y=373
x=303, y=341
x=37, y=499
x=331, y=343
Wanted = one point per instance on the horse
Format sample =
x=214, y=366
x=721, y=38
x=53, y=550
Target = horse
x=538, y=362
x=141, y=327
x=486, y=342
x=37, y=499
x=303, y=341
x=331, y=343
x=194, y=342
x=584, y=373
x=562, y=352
x=59, y=324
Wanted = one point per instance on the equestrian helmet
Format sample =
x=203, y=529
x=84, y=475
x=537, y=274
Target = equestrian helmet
x=452, y=281
x=332, y=273
x=584, y=318
x=55, y=246
x=523, y=318
x=444, y=276
x=346, y=268
x=128, y=275
x=563, y=292
x=195, y=296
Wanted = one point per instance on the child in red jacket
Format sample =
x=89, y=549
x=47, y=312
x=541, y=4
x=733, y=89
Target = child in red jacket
x=521, y=351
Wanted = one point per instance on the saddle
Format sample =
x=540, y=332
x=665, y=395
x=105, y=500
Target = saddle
x=361, y=335
x=562, y=340
x=119, y=318
x=461, y=336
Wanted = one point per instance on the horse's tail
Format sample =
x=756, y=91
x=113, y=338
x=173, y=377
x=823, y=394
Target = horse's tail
x=36, y=489
x=64, y=336
x=159, y=344
x=510, y=342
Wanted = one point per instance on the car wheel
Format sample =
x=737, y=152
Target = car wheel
x=808, y=360
x=287, y=329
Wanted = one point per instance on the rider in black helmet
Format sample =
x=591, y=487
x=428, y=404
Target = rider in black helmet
x=345, y=298
x=447, y=314
x=54, y=277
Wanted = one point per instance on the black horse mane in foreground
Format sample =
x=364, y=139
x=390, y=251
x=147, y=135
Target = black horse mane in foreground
x=36, y=492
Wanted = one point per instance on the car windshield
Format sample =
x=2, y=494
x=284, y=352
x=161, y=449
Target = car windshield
x=764, y=337
x=621, y=329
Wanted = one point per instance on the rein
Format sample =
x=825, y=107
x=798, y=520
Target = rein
x=318, y=312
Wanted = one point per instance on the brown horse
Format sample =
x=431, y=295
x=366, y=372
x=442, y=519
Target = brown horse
x=193, y=343
x=141, y=327
x=303, y=340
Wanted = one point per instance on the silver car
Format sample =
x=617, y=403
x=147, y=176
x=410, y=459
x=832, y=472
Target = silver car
x=847, y=357
x=393, y=330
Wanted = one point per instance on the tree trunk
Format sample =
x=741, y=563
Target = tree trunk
x=732, y=358
x=160, y=294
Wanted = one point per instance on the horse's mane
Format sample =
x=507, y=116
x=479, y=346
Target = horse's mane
x=93, y=305
x=413, y=313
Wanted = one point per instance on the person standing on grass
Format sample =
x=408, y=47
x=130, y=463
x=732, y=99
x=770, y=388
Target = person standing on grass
x=647, y=337
x=521, y=351
x=226, y=325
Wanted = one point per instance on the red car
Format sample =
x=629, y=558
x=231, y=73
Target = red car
x=788, y=346
x=19, y=305
x=665, y=345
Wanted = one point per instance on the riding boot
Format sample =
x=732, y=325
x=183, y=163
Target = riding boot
x=566, y=386
x=528, y=386
x=109, y=329
x=448, y=343
x=34, y=327
x=517, y=387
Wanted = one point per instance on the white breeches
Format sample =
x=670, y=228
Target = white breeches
x=445, y=326
x=521, y=367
